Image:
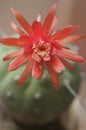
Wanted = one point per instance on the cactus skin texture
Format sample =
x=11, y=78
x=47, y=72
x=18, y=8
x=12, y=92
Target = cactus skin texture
x=36, y=102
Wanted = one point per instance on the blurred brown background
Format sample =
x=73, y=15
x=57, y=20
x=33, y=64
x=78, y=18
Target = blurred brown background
x=69, y=11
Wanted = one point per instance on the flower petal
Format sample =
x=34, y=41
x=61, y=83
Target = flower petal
x=23, y=22
x=37, y=70
x=36, y=57
x=70, y=55
x=17, y=29
x=72, y=38
x=46, y=58
x=57, y=45
x=54, y=76
x=38, y=17
x=26, y=41
x=67, y=64
x=9, y=41
x=37, y=27
x=61, y=34
x=17, y=62
x=56, y=64
x=13, y=54
x=48, y=20
x=53, y=25
x=26, y=73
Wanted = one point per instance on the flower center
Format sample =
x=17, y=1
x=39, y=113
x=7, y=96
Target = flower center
x=43, y=49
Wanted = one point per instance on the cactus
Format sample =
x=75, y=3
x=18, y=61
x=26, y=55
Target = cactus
x=37, y=102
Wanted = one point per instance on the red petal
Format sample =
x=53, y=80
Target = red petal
x=23, y=22
x=70, y=55
x=72, y=38
x=26, y=41
x=67, y=64
x=37, y=27
x=22, y=41
x=9, y=41
x=17, y=29
x=54, y=76
x=53, y=25
x=48, y=20
x=13, y=54
x=56, y=64
x=17, y=62
x=57, y=45
x=37, y=70
x=64, y=33
x=26, y=73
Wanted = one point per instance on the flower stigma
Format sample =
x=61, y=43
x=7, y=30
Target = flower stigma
x=43, y=50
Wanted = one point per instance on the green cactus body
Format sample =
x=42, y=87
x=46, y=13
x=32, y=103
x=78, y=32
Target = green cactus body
x=37, y=101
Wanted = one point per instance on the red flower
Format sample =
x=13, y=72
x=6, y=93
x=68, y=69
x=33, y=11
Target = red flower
x=39, y=45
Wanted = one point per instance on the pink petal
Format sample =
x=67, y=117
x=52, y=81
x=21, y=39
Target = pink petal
x=56, y=64
x=36, y=57
x=53, y=25
x=46, y=58
x=48, y=20
x=72, y=38
x=23, y=22
x=54, y=76
x=13, y=54
x=17, y=29
x=37, y=27
x=17, y=62
x=37, y=70
x=38, y=17
x=70, y=55
x=26, y=73
x=64, y=33
x=67, y=64
x=9, y=41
